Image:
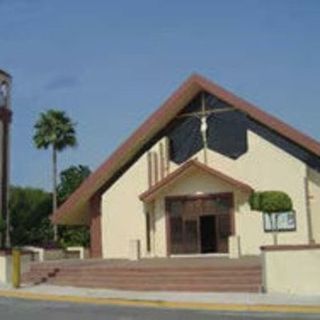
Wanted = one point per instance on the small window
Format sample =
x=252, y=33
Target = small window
x=148, y=231
x=283, y=221
x=176, y=235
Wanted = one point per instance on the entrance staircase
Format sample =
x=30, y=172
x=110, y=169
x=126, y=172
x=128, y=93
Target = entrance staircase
x=175, y=274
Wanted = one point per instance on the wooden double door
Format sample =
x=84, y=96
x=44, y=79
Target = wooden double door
x=199, y=224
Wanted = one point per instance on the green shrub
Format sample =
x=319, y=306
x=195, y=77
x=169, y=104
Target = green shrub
x=271, y=202
x=254, y=201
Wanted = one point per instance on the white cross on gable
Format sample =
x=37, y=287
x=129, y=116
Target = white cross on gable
x=203, y=117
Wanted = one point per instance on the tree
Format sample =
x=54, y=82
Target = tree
x=70, y=180
x=30, y=209
x=55, y=130
x=271, y=202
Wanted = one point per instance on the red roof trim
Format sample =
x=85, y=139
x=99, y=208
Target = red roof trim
x=261, y=116
x=95, y=180
x=149, y=194
x=158, y=120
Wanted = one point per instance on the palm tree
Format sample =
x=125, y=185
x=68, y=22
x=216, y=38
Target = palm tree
x=54, y=129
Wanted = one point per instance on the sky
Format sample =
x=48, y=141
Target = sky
x=110, y=64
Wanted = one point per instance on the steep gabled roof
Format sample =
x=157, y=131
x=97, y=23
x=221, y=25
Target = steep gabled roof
x=158, y=120
x=187, y=167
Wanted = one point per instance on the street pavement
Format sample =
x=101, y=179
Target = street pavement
x=20, y=309
x=240, y=298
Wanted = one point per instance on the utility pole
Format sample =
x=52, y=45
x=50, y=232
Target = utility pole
x=5, y=119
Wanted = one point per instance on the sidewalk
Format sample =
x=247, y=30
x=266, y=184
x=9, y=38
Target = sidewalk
x=181, y=300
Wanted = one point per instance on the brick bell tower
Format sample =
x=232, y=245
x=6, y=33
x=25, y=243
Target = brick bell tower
x=5, y=120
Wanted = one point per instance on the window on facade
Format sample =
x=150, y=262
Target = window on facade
x=176, y=208
x=176, y=234
x=283, y=221
x=148, y=233
x=224, y=226
x=191, y=236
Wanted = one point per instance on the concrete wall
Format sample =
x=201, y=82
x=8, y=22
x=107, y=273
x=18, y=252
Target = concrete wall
x=263, y=167
x=292, y=270
x=123, y=215
x=314, y=200
x=6, y=266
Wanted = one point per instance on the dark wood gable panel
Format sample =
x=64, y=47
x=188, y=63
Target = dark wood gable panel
x=227, y=134
x=227, y=131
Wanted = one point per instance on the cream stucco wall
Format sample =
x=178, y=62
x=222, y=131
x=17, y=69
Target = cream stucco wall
x=6, y=266
x=123, y=217
x=314, y=200
x=292, y=271
x=263, y=167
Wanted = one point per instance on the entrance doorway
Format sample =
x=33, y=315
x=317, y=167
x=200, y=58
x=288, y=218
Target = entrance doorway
x=208, y=234
x=199, y=224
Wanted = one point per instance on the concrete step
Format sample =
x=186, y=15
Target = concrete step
x=142, y=275
x=74, y=268
x=182, y=278
x=143, y=272
x=153, y=280
x=161, y=286
x=187, y=278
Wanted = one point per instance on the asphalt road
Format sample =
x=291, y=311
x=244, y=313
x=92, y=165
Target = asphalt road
x=17, y=309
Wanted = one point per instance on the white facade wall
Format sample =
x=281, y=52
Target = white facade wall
x=314, y=201
x=123, y=217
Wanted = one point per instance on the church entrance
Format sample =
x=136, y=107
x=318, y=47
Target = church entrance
x=199, y=224
x=208, y=241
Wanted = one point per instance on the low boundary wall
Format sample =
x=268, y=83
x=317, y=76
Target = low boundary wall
x=6, y=265
x=31, y=254
x=291, y=269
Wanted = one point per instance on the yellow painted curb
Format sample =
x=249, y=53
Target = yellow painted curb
x=163, y=304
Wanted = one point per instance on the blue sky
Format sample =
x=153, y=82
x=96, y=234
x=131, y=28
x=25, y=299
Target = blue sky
x=109, y=64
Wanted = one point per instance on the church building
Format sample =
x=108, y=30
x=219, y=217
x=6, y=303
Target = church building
x=180, y=184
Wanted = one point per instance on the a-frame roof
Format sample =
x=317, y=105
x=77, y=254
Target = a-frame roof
x=187, y=167
x=157, y=121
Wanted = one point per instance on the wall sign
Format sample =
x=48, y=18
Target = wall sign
x=286, y=221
